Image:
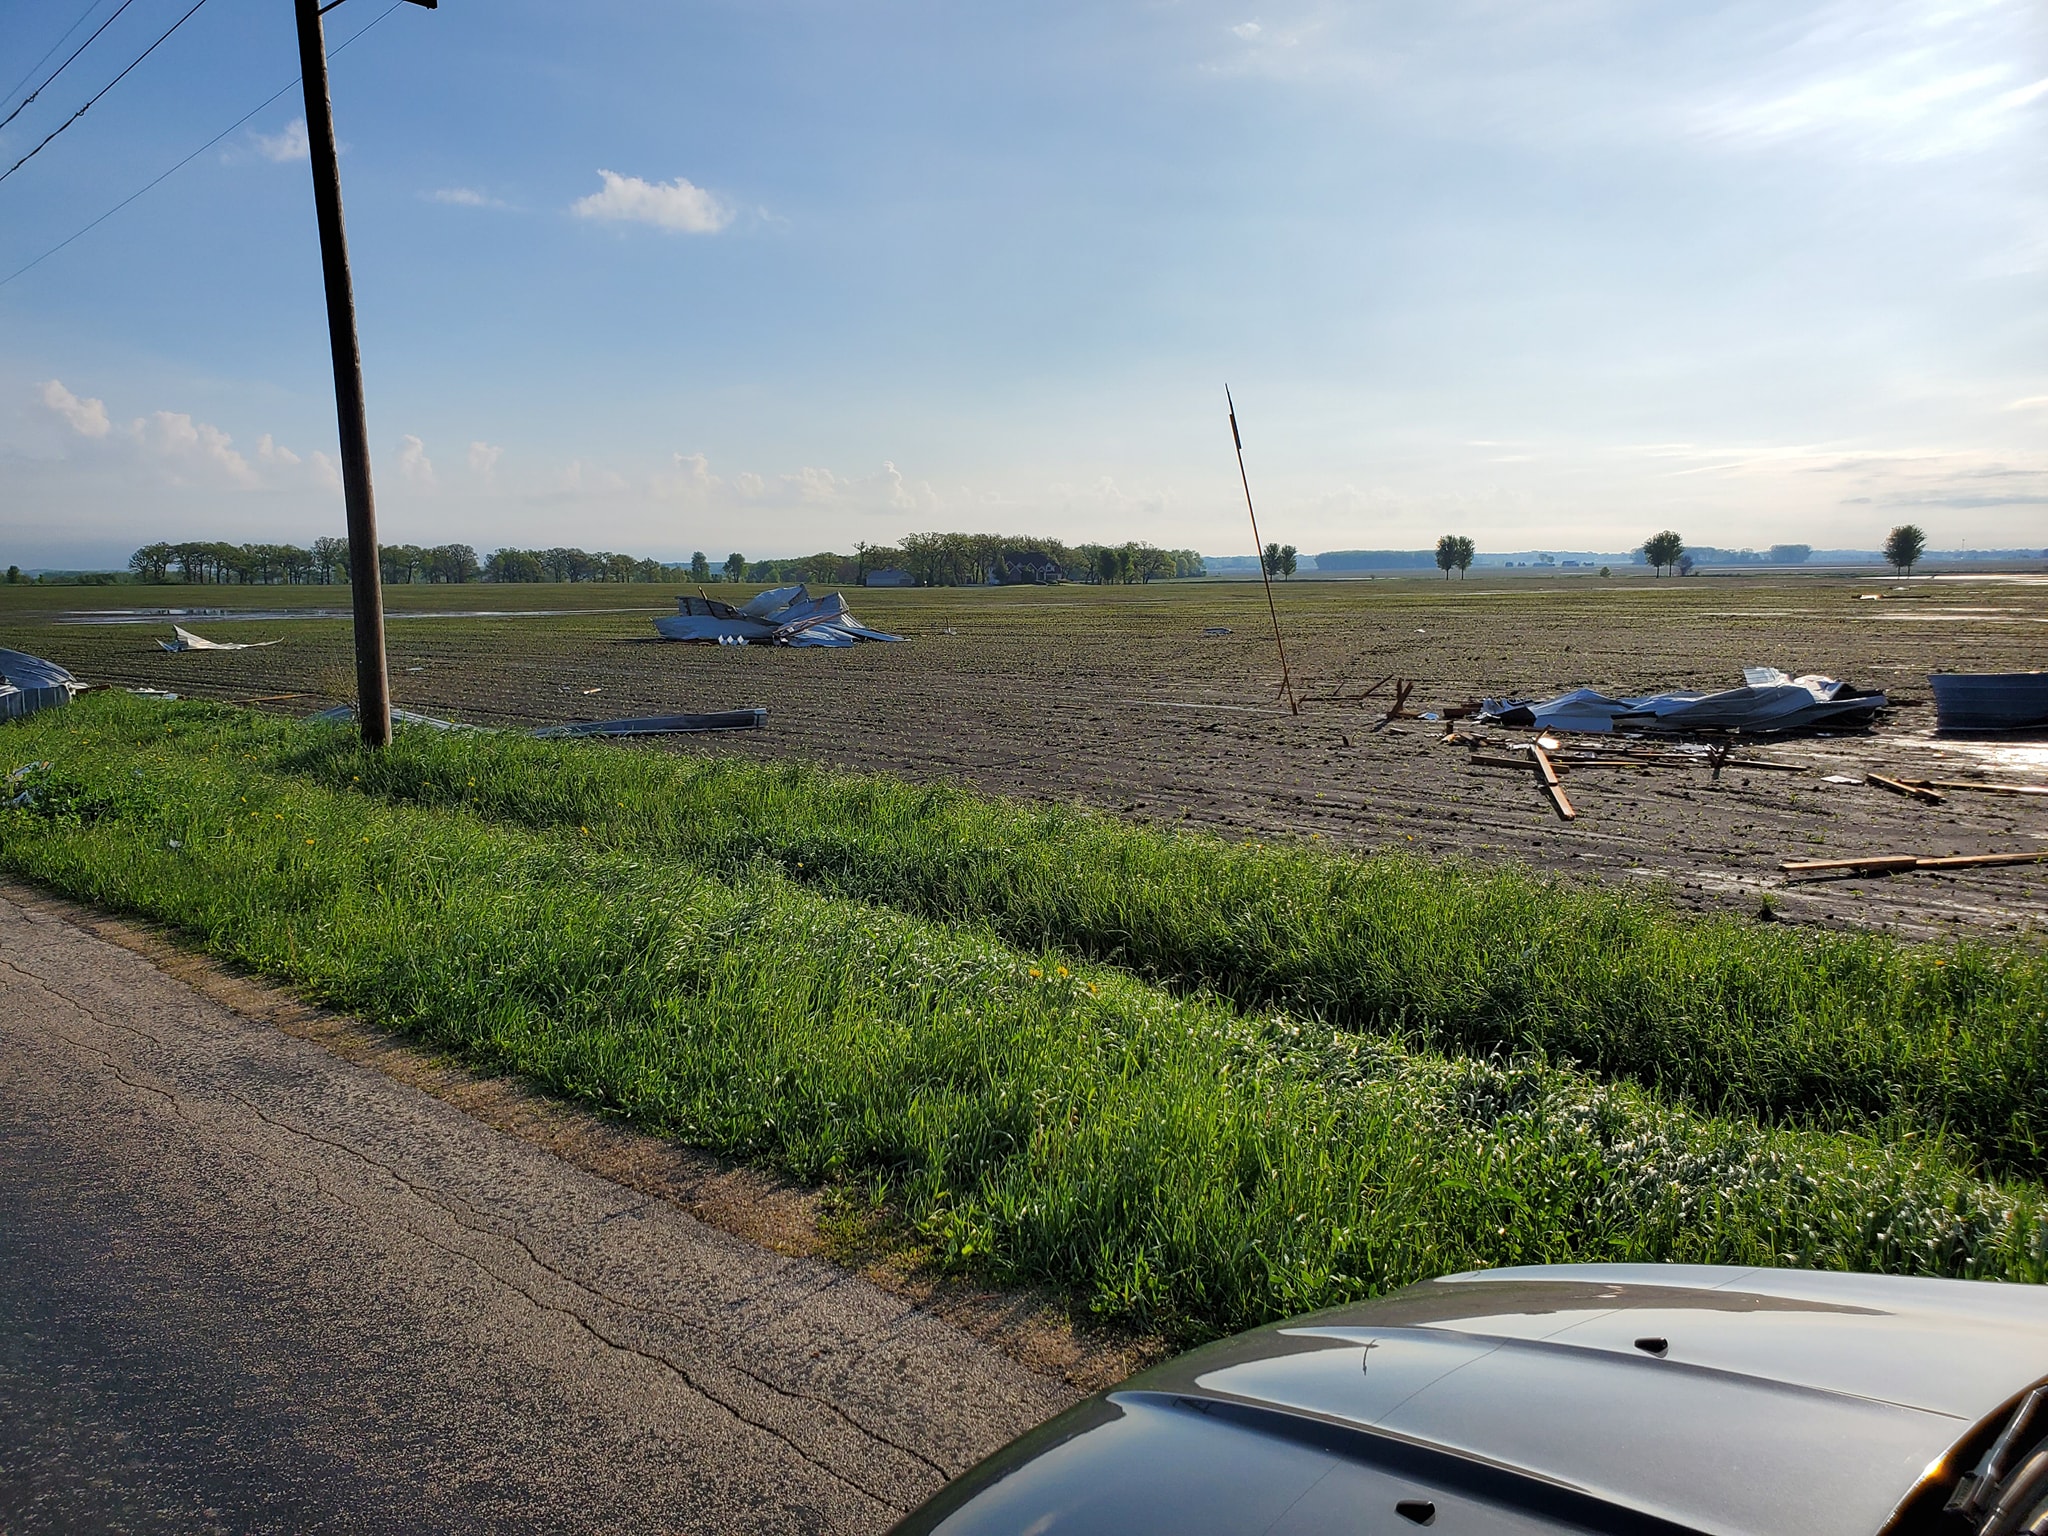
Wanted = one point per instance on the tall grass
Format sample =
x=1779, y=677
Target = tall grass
x=1817, y=1028
x=1169, y=1160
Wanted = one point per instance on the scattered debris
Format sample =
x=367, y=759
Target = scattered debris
x=29, y=684
x=161, y=695
x=1768, y=701
x=1398, y=708
x=661, y=725
x=184, y=640
x=342, y=714
x=1906, y=863
x=26, y=796
x=1901, y=787
x=1216, y=629
x=1841, y=778
x=779, y=616
x=1990, y=701
x=752, y=719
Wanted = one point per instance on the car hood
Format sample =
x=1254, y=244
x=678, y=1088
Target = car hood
x=1624, y=1397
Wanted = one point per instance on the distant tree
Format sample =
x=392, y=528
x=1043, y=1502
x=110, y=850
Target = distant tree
x=735, y=566
x=1685, y=565
x=1447, y=554
x=1269, y=557
x=152, y=563
x=1605, y=572
x=450, y=563
x=1790, y=554
x=14, y=576
x=1287, y=559
x=1903, y=547
x=330, y=560
x=1467, y=553
x=1662, y=549
x=700, y=567
x=515, y=565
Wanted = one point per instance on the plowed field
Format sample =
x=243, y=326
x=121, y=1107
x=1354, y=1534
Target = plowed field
x=1117, y=697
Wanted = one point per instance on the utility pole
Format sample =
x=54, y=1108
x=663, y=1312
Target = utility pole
x=366, y=588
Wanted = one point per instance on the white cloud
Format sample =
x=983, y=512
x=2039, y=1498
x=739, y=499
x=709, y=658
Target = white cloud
x=270, y=452
x=483, y=458
x=678, y=205
x=88, y=418
x=186, y=448
x=413, y=462
x=290, y=145
x=1247, y=30
x=2030, y=403
x=463, y=197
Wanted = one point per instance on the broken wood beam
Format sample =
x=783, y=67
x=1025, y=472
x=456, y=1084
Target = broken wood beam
x=1547, y=771
x=1900, y=787
x=1906, y=863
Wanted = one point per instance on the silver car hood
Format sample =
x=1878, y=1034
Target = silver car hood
x=1659, y=1398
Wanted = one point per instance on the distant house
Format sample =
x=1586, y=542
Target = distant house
x=1031, y=565
x=890, y=579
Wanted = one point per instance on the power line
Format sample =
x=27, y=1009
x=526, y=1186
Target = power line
x=96, y=95
x=53, y=74
x=202, y=149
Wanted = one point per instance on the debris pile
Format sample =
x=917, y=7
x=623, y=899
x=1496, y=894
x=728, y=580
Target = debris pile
x=1768, y=701
x=29, y=683
x=779, y=616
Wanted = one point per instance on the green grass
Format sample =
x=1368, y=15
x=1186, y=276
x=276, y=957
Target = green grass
x=1169, y=1160
x=1823, y=1029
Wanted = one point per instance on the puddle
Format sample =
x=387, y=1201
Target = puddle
x=273, y=615
x=2022, y=757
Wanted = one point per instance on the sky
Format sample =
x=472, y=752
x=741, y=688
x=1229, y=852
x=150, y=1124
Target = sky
x=784, y=275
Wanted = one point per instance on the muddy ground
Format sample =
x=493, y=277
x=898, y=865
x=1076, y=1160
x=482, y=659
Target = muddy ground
x=1119, y=699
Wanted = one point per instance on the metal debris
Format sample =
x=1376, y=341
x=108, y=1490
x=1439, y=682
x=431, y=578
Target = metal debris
x=29, y=684
x=1990, y=701
x=1768, y=701
x=184, y=640
x=779, y=616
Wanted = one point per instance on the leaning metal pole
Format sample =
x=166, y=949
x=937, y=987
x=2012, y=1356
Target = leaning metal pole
x=373, y=683
x=1258, y=548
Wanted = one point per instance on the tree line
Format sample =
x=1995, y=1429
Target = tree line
x=325, y=563
x=931, y=559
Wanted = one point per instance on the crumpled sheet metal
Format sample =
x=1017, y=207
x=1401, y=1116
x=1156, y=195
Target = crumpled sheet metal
x=185, y=640
x=29, y=684
x=1768, y=701
x=779, y=616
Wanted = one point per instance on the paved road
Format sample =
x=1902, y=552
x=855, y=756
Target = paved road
x=246, y=1285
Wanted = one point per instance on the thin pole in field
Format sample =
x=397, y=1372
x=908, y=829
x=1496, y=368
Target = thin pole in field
x=1259, y=548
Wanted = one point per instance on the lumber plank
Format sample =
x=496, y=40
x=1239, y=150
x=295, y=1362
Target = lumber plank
x=1901, y=787
x=1906, y=863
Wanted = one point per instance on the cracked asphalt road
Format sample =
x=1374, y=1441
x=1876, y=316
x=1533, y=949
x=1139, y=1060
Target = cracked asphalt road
x=246, y=1285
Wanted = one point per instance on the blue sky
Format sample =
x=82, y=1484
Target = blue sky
x=785, y=275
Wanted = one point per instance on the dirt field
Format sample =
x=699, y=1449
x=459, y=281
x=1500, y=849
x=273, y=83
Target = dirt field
x=1117, y=698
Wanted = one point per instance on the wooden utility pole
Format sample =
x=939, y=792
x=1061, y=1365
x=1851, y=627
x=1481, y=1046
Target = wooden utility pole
x=366, y=588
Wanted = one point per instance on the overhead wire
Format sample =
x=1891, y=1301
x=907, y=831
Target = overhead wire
x=96, y=95
x=202, y=149
x=53, y=74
